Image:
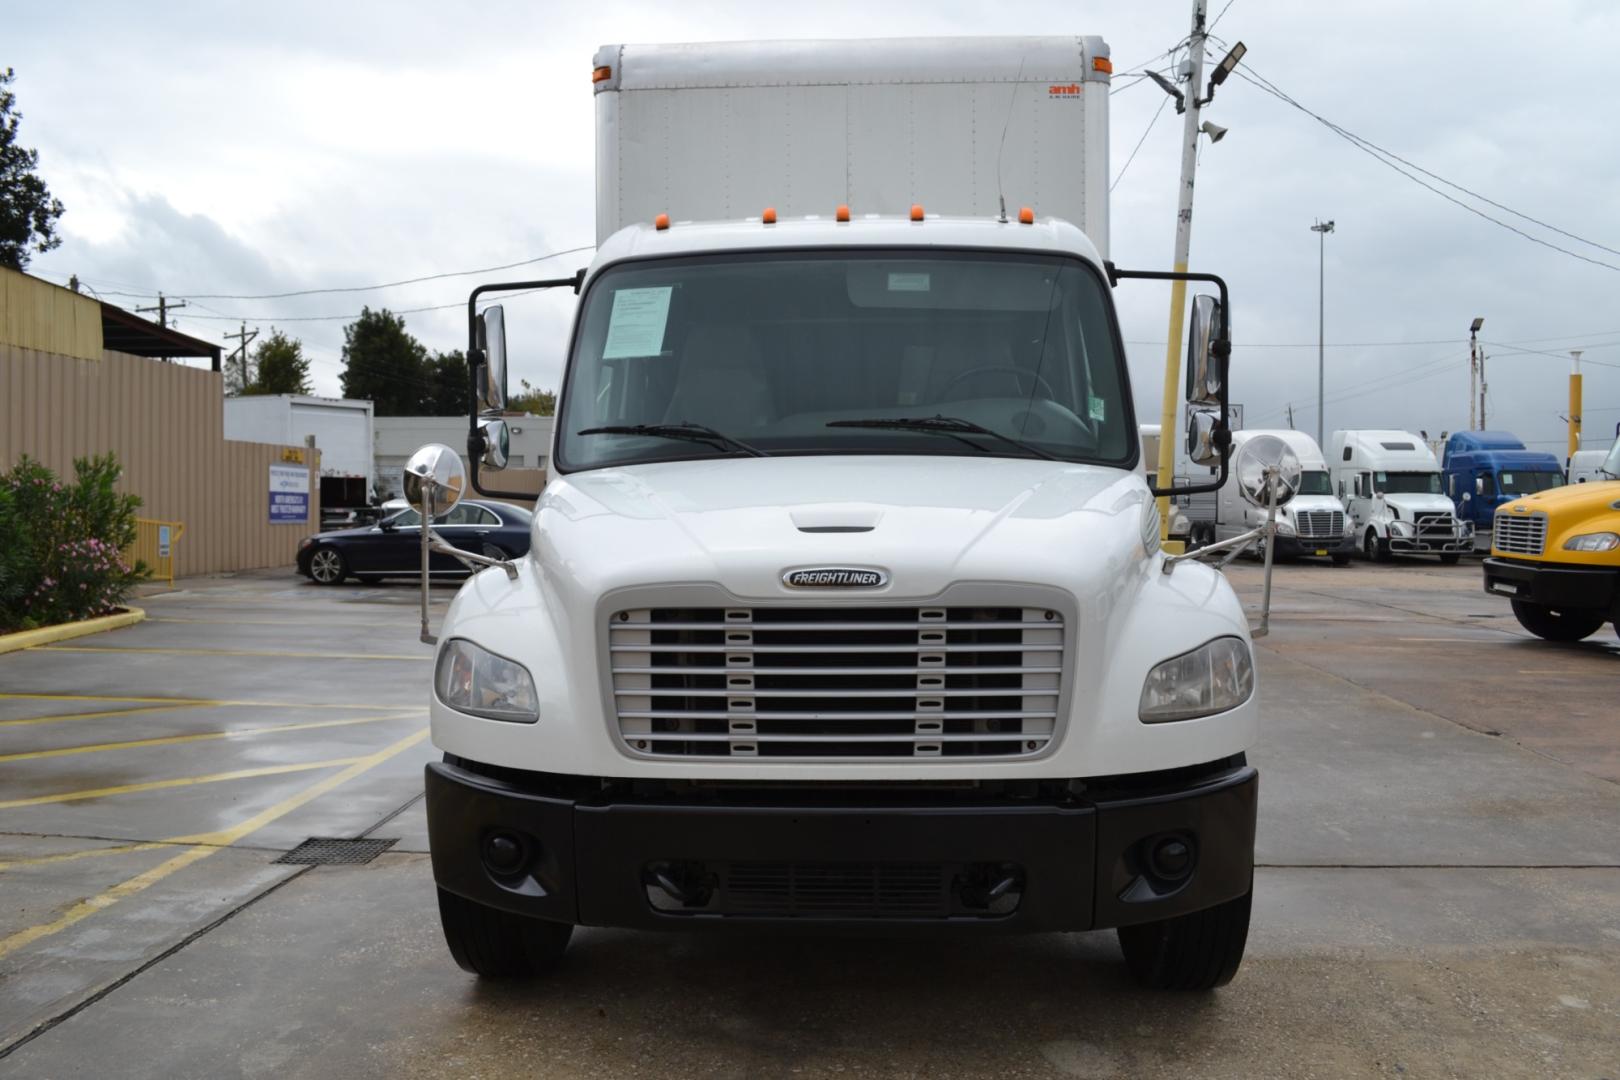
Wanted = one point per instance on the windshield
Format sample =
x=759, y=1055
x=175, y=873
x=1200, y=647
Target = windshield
x=1407, y=483
x=1611, y=464
x=1517, y=482
x=771, y=348
x=1314, y=482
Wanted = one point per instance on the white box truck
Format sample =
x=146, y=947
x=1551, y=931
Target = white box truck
x=846, y=606
x=1391, y=483
x=1314, y=523
x=342, y=428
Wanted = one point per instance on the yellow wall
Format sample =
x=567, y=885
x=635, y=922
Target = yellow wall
x=35, y=314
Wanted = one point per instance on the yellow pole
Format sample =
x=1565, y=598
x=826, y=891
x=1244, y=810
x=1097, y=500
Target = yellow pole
x=1574, y=413
x=1169, y=434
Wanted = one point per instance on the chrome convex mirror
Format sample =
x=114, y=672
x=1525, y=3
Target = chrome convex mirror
x=497, y=442
x=492, y=372
x=434, y=480
x=1268, y=471
x=1201, y=445
x=1206, y=352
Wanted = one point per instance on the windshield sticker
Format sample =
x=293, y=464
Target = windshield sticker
x=907, y=282
x=1099, y=408
x=636, y=327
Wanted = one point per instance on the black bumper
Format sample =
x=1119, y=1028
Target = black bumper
x=1288, y=546
x=898, y=858
x=1554, y=585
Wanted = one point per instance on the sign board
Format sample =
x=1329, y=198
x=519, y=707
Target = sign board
x=163, y=541
x=292, y=455
x=289, y=494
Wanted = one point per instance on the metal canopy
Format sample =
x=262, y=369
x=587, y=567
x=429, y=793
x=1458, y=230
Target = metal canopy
x=125, y=332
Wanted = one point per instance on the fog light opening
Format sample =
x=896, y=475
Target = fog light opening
x=505, y=853
x=1171, y=858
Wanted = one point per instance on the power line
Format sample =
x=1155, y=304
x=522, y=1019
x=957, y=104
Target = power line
x=1162, y=103
x=1215, y=21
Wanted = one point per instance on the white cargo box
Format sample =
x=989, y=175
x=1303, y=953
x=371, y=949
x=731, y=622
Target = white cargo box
x=720, y=131
x=342, y=428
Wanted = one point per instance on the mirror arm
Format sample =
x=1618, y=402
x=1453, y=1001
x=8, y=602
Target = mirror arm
x=475, y=359
x=471, y=561
x=1221, y=347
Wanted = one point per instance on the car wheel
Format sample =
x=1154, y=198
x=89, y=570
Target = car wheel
x=1199, y=951
x=1449, y=560
x=1557, y=624
x=327, y=566
x=497, y=944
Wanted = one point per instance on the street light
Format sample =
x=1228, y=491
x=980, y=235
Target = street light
x=1321, y=228
x=1474, y=373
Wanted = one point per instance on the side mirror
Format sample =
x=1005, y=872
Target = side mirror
x=1201, y=445
x=1479, y=485
x=492, y=372
x=1268, y=471
x=497, y=442
x=435, y=479
x=1207, y=350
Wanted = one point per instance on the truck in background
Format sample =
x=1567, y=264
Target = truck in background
x=343, y=431
x=1314, y=523
x=1180, y=524
x=1481, y=470
x=1556, y=555
x=1390, y=483
x=1584, y=465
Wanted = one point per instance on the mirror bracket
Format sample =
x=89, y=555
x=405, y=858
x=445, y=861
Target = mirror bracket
x=469, y=559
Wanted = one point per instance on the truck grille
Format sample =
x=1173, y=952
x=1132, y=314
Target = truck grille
x=1520, y=534
x=805, y=683
x=1320, y=524
x=1437, y=527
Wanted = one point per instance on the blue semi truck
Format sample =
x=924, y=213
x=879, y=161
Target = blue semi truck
x=1482, y=470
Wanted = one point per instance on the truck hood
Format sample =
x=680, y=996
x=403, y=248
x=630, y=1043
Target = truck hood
x=1591, y=497
x=1414, y=503
x=928, y=521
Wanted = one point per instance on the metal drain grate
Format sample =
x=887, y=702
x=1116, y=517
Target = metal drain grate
x=330, y=851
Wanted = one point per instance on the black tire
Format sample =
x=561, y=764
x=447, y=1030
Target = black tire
x=1558, y=624
x=1340, y=558
x=327, y=566
x=1375, y=549
x=1449, y=560
x=497, y=944
x=1199, y=951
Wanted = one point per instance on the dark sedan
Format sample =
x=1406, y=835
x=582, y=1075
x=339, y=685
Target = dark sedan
x=392, y=547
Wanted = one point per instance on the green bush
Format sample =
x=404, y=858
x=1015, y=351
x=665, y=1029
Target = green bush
x=62, y=545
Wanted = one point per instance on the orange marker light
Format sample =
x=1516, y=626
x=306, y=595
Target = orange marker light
x=916, y=212
x=661, y=222
x=769, y=216
x=601, y=74
x=842, y=213
x=1103, y=64
x=1026, y=216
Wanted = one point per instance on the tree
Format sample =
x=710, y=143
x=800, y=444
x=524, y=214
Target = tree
x=447, y=394
x=534, y=401
x=385, y=365
x=280, y=366
x=28, y=212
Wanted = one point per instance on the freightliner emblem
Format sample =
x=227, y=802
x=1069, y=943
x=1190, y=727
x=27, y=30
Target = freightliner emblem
x=835, y=577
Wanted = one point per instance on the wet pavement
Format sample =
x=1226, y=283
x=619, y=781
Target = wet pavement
x=1438, y=891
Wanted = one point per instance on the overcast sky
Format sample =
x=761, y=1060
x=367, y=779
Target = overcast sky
x=249, y=149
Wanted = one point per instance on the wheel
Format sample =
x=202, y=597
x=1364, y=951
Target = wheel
x=1558, y=624
x=1449, y=560
x=497, y=944
x=1199, y=951
x=1375, y=549
x=327, y=566
x=1340, y=558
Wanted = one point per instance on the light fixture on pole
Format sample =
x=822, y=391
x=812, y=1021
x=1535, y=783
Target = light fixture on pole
x=1321, y=228
x=1473, y=374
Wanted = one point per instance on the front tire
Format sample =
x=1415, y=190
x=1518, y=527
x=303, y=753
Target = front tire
x=1199, y=951
x=1341, y=558
x=1375, y=549
x=1449, y=559
x=327, y=566
x=497, y=944
x=1557, y=624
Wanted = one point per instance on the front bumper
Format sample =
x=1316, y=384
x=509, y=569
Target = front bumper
x=1459, y=543
x=1554, y=585
x=652, y=856
x=1304, y=545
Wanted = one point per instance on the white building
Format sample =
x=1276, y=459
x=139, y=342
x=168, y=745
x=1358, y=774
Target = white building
x=397, y=437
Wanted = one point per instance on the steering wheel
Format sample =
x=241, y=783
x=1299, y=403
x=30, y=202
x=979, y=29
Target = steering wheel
x=1002, y=369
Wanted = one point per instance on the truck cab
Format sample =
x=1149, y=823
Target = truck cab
x=1315, y=523
x=1481, y=470
x=846, y=607
x=1391, y=485
x=1556, y=555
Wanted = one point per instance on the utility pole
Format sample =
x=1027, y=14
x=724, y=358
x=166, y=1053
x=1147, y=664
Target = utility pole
x=1575, y=401
x=1482, y=385
x=1178, y=289
x=163, y=307
x=1321, y=229
x=1473, y=371
x=240, y=352
x=1290, y=416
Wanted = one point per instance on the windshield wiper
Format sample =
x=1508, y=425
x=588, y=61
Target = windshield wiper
x=950, y=426
x=690, y=432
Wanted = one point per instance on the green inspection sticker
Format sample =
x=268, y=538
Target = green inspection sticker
x=1098, y=407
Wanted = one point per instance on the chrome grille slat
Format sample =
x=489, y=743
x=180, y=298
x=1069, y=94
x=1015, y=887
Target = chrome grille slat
x=1319, y=524
x=845, y=683
x=1520, y=534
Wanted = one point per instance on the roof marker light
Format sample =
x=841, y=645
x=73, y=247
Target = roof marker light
x=842, y=213
x=602, y=74
x=1103, y=64
x=661, y=222
x=1026, y=216
x=769, y=216
x=916, y=212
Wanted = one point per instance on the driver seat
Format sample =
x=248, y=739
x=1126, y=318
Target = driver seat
x=720, y=384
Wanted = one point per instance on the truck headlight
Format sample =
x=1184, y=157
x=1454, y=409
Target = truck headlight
x=474, y=680
x=1285, y=528
x=1401, y=528
x=1212, y=678
x=1603, y=541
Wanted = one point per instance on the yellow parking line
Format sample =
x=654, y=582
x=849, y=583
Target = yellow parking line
x=232, y=652
x=207, y=844
x=171, y=703
x=108, y=697
x=203, y=736
x=183, y=781
x=103, y=713
x=88, y=853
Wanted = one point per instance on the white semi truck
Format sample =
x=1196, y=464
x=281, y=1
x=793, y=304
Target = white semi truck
x=846, y=606
x=1314, y=523
x=1390, y=481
